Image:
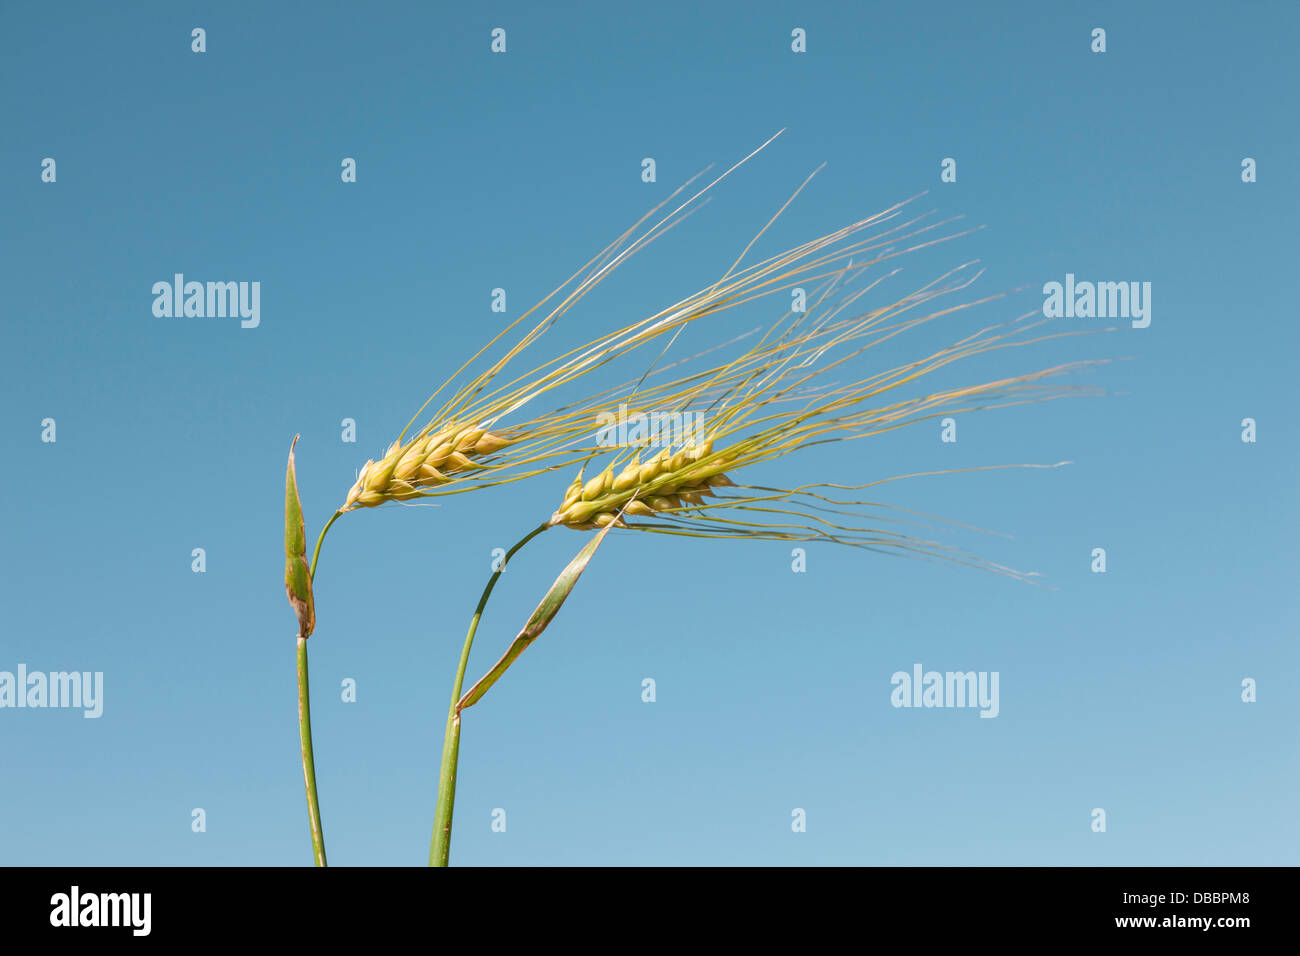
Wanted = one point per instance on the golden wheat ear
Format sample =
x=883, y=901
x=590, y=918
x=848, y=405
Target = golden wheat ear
x=440, y=461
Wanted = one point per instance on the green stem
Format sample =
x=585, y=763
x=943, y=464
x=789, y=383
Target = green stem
x=321, y=540
x=304, y=725
x=308, y=762
x=440, y=848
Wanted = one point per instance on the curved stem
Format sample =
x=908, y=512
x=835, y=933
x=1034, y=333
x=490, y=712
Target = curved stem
x=440, y=848
x=304, y=726
x=321, y=540
x=308, y=761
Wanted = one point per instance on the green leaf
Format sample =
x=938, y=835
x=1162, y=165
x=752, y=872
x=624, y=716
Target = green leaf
x=297, y=574
x=539, y=621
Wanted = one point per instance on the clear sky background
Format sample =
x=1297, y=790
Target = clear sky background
x=1119, y=691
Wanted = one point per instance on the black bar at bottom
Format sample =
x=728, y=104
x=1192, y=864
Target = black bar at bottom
x=328, y=906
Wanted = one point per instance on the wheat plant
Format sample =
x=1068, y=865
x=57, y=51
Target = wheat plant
x=478, y=437
x=767, y=403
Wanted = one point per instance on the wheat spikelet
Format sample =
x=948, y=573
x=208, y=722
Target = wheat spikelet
x=665, y=483
x=429, y=460
x=768, y=402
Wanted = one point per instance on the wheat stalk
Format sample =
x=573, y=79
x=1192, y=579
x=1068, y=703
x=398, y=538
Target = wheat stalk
x=767, y=402
x=475, y=440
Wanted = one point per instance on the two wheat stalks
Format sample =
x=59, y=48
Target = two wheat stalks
x=769, y=400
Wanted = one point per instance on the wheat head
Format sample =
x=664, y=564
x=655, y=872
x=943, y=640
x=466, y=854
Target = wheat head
x=429, y=460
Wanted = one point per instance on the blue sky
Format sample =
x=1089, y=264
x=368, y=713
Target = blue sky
x=476, y=170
